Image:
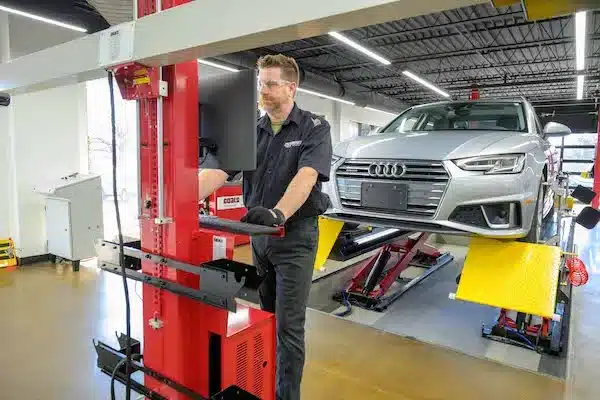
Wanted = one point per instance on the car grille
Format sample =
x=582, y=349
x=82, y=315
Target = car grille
x=426, y=180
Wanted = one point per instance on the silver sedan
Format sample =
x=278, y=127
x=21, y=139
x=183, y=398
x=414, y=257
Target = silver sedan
x=461, y=167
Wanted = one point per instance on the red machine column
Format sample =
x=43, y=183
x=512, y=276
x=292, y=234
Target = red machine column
x=596, y=202
x=176, y=328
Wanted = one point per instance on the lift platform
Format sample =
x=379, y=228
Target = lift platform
x=512, y=275
x=530, y=283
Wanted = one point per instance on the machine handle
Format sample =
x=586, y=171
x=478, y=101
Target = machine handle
x=227, y=225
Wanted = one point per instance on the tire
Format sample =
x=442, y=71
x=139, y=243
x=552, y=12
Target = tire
x=535, y=231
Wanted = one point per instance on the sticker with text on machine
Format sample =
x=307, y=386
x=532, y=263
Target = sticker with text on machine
x=116, y=44
x=229, y=202
x=219, y=247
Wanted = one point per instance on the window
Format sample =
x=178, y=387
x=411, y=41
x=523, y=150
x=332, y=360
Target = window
x=501, y=116
x=366, y=129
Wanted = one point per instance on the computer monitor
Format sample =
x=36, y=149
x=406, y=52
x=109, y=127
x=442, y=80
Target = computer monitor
x=227, y=111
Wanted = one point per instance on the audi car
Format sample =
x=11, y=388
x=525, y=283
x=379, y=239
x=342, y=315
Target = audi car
x=482, y=167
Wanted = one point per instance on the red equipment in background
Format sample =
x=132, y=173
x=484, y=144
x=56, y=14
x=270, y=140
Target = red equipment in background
x=227, y=202
x=474, y=93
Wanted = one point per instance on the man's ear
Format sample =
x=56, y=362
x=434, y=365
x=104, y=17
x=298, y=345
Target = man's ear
x=294, y=90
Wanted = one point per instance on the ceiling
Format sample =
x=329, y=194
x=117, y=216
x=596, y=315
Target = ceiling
x=494, y=49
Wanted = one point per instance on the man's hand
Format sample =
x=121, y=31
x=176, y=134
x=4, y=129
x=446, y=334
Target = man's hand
x=264, y=216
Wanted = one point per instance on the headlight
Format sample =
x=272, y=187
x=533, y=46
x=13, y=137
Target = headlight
x=497, y=164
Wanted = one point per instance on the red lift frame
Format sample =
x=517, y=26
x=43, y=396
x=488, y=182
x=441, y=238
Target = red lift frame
x=201, y=347
x=370, y=285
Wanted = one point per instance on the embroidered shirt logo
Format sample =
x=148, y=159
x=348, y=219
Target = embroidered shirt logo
x=295, y=143
x=316, y=121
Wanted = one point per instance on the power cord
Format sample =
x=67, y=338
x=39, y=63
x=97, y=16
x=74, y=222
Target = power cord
x=127, y=360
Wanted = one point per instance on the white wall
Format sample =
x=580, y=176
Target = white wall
x=5, y=168
x=39, y=135
x=5, y=121
x=47, y=130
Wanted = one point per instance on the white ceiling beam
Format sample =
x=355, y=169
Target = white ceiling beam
x=207, y=28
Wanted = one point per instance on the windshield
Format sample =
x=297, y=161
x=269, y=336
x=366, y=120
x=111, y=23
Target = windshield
x=460, y=117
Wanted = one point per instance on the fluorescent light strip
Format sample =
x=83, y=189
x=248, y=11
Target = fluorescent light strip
x=42, y=19
x=425, y=83
x=325, y=96
x=375, y=236
x=580, y=81
x=381, y=111
x=220, y=66
x=360, y=48
x=580, y=31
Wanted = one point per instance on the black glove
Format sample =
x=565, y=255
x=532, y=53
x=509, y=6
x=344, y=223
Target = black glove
x=264, y=216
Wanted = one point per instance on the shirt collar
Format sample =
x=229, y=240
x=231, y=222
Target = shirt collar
x=295, y=116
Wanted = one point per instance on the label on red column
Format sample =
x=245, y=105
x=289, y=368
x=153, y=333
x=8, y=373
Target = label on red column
x=219, y=247
x=229, y=202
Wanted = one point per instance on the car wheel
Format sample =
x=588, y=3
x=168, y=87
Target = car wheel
x=535, y=231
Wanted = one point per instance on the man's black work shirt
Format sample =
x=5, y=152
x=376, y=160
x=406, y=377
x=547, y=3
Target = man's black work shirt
x=304, y=140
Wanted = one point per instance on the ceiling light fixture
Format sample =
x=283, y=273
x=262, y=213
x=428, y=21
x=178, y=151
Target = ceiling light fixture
x=580, y=81
x=42, y=19
x=425, y=83
x=378, y=110
x=360, y=48
x=325, y=96
x=220, y=66
x=580, y=31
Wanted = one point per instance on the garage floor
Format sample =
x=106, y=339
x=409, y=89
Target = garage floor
x=50, y=315
x=425, y=313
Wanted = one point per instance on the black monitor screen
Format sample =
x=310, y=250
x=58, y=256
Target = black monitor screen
x=228, y=104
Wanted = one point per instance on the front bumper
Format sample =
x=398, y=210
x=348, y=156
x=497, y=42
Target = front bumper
x=463, y=189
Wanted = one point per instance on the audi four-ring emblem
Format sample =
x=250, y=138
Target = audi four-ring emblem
x=386, y=169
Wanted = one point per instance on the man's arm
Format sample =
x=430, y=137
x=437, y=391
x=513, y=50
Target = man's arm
x=297, y=191
x=210, y=180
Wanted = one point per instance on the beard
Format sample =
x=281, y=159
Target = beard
x=270, y=104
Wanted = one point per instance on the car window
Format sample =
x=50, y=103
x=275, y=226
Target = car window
x=501, y=116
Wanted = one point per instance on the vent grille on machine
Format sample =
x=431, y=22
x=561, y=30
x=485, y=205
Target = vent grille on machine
x=258, y=369
x=241, y=366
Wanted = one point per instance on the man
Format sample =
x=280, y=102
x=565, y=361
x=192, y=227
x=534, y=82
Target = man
x=293, y=158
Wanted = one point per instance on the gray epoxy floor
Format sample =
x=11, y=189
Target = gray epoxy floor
x=426, y=314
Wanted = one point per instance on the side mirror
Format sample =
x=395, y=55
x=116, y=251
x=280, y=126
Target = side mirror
x=554, y=129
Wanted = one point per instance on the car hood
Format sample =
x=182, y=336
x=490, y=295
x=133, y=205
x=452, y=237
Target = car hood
x=438, y=145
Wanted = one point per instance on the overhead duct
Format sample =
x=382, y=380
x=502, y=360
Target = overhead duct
x=312, y=81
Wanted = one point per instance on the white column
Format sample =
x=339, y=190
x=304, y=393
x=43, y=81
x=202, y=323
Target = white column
x=6, y=169
x=336, y=123
x=4, y=38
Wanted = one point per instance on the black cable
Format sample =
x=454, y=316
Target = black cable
x=347, y=304
x=121, y=252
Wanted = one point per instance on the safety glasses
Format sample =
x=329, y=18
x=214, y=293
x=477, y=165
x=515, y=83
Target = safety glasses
x=271, y=84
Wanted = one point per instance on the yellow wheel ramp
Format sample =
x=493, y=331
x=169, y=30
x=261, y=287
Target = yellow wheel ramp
x=329, y=230
x=512, y=275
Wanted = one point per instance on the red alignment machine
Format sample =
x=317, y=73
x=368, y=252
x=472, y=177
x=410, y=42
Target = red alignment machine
x=195, y=347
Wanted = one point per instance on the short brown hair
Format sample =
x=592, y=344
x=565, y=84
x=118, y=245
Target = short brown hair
x=289, y=67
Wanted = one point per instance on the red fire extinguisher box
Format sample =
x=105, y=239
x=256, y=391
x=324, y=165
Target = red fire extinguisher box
x=228, y=202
